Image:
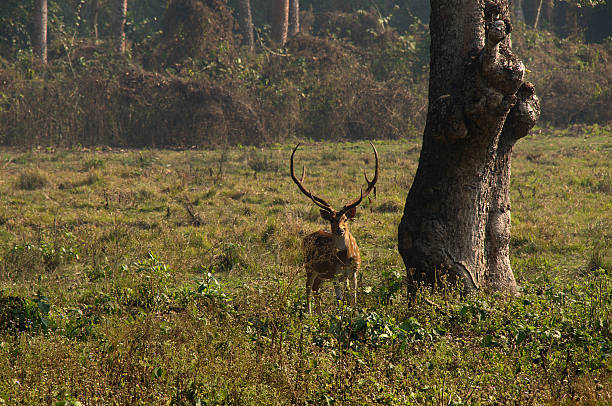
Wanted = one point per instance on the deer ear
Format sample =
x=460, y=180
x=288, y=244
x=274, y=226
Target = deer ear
x=325, y=214
x=351, y=213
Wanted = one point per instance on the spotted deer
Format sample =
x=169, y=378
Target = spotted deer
x=332, y=255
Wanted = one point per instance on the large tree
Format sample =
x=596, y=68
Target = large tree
x=456, y=219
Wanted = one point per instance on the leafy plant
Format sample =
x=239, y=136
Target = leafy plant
x=390, y=285
x=211, y=290
x=24, y=314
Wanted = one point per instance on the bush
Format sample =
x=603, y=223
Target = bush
x=32, y=179
x=357, y=78
x=24, y=314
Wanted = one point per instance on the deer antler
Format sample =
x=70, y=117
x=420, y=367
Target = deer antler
x=322, y=203
x=317, y=200
x=371, y=185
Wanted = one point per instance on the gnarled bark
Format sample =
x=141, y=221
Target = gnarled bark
x=456, y=219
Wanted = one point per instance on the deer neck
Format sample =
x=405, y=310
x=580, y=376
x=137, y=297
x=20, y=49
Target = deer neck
x=343, y=242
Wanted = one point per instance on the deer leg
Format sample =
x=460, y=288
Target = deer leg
x=347, y=285
x=338, y=291
x=354, y=287
x=310, y=281
x=316, y=283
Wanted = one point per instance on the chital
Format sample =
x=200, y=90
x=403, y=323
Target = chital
x=332, y=255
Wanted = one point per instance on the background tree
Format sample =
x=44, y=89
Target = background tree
x=517, y=11
x=196, y=29
x=94, y=11
x=245, y=22
x=294, y=17
x=537, y=14
x=456, y=219
x=119, y=18
x=39, y=44
x=280, y=21
x=566, y=17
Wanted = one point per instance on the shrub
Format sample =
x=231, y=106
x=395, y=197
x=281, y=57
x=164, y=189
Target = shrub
x=24, y=314
x=32, y=179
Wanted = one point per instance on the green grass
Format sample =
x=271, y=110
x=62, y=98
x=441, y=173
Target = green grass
x=113, y=293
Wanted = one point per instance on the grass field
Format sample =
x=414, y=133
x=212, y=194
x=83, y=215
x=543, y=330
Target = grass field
x=173, y=277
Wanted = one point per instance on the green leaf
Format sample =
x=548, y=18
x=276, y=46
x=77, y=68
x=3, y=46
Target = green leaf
x=489, y=341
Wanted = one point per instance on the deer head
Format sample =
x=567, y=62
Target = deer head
x=337, y=218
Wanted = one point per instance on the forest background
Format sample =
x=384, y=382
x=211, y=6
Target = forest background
x=356, y=70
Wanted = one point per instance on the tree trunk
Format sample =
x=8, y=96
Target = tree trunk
x=280, y=21
x=94, y=11
x=294, y=17
x=456, y=221
x=119, y=17
x=547, y=14
x=537, y=16
x=571, y=19
x=40, y=30
x=245, y=21
x=518, y=12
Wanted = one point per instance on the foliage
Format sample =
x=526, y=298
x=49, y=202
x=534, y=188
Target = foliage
x=14, y=30
x=213, y=292
x=46, y=255
x=572, y=79
x=356, y=71
x=144, y=305
x=24, y=314
x=195, y=29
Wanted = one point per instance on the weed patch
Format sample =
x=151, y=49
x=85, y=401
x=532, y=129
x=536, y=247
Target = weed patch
x=32, y=179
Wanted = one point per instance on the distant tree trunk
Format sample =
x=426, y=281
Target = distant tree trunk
x=537, y=16
x=119, y=17
x=294, y=17
x=518, y=12
x=547, y=13
x=280, y=21
x=571, y=19
x=245, y=21
x=93, y=15
x=456, y=220
x=40, y=30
